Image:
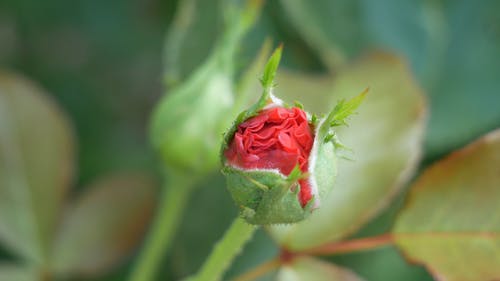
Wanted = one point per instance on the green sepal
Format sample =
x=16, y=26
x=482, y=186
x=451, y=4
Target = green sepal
x=344, y=109
x=337, y=117
x=267, y=81
x=271, y=68
x=323, y=159
x=323, y=164
x=266, y=196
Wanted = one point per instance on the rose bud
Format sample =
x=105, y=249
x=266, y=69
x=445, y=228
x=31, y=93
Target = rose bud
x=187, y=123
x=279, y=161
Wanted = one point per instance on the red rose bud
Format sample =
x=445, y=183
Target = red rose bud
x=279, y=161
x=278, y=138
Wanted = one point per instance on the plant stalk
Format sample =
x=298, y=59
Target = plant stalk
x=259, y=271
x=225, y=251
x=176, y=194
x=349, y=246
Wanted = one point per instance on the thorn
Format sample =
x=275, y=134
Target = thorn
x=345, y=157
x=329, y=137
x=314, y=119
x=339, y=145
x=298, y=104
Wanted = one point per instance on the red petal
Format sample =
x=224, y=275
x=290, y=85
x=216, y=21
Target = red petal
x=305, y=192
x=287, y=143
x=278, y=138
x=278, y=114
x=278, y=159
x=266, y=132
x=254, y=122
x=303, y=135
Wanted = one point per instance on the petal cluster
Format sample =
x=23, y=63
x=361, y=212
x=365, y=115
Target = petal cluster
x=277, y=138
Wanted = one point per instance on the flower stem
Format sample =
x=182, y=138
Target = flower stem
x=349, y=246
x=340, y=247
x=259, y=270
x=176, y=193
x=225, y=251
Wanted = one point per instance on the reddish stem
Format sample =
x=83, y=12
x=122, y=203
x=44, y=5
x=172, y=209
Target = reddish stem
x=354, y=245
x=286, y=256
x=258, y=271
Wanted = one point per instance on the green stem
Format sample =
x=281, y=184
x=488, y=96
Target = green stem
x=225, y=251
x=175, y=197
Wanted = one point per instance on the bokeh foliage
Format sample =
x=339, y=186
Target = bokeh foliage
x=102, y=61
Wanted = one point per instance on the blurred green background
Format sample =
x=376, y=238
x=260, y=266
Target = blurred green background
x=103, y=63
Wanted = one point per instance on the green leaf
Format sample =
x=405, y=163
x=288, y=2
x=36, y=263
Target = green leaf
x=36, y=166
x=435, y=39
x=382, y=264
x=450, y=222
x=385, y=137
x=11, y=272
x=312, y=269
x=102, y=227
x=463, y=81
x=332, y=27
x=413, y=29
x=312, y=90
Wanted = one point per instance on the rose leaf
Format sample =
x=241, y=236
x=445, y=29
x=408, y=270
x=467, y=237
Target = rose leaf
x=102, y=227
x=36, y=166
x=450, y=223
